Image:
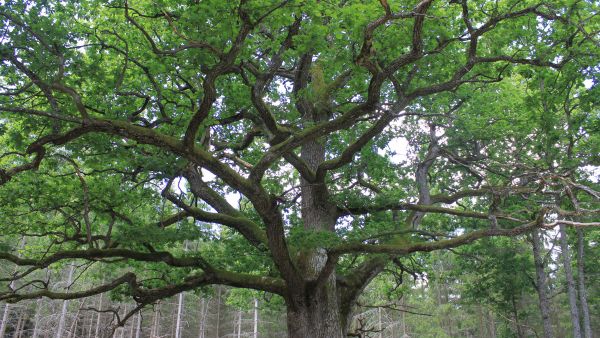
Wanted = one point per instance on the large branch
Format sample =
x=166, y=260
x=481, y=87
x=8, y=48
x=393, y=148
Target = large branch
x=456, y=241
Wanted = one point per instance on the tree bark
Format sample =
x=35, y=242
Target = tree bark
x=572, y=293
x=542, y=285
x=585, y=311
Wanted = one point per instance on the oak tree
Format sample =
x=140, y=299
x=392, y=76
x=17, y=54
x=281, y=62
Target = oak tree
x=304, y=146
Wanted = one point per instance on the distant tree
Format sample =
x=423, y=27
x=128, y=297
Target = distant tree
x=306, y=145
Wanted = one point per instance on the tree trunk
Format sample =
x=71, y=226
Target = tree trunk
x=315, y=312
x=585, y=311
x=202, y=319
x=154, y=332
x=20, y=319
x=3, y=325
x=179, y=314
x=65, y=304
x=542, y=286
x=492, y=324
x=316, y=320
x=518, y=327
x=218, y=323
x=572, y=293
x=37, y=318
x=98, y=320
x=255, y=331
x=138, y=328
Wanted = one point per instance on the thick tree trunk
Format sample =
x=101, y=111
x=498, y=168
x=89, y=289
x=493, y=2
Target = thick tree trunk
x=572, y=293
x=542, y=286
x=317, y=319
x=585, y=311
x=315, y=311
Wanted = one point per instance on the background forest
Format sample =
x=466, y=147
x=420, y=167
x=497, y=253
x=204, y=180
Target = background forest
x=488, y=289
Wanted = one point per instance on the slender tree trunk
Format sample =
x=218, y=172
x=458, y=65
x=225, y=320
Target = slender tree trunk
x=239, y=324
x=492, y=324
x=202, y=319
x=123, y=327
x=73, y=328
x=379, y=323
x=37, y=318
x=19, y=323
x=4, y=320
x=5, y=316
x=179, y=314
x=516, y=318
x=218, y=323
x=98, y=320
x=131, y=330
x=138, y=328
x=255, y=331
x=542, y=285
x=65, y=304
x=585, y=311
x=572, y=293
x=155, y=328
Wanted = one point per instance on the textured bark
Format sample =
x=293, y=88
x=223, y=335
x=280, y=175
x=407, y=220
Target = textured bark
x=541, y=284
x=585, y=311
x=571, y=292
x=315, y=312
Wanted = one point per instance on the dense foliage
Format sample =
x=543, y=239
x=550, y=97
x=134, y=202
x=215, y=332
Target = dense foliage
x=298, y=148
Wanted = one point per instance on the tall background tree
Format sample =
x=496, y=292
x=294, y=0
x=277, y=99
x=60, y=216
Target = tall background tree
x=304, y=147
